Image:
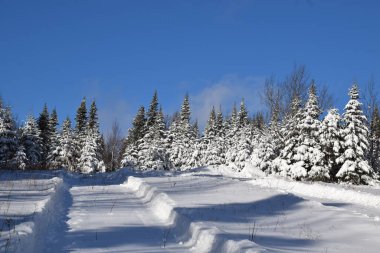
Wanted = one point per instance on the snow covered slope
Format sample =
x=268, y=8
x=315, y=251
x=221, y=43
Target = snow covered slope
x=203, y=210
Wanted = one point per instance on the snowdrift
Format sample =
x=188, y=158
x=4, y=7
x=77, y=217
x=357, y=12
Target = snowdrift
x=199, y=237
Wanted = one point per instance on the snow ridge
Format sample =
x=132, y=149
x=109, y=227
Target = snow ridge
x=320, y=191
x=29, y=233
x=199, y=237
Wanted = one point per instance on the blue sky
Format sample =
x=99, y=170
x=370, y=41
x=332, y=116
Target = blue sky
x=118, y=52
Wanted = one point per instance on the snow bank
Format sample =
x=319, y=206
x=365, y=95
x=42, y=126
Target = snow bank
x=197, y=235
x=25, y=235
x=317, y=190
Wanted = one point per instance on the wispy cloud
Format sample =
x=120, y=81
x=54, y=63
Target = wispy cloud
x=225, y=92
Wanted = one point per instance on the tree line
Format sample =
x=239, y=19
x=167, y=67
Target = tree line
x=292, y=141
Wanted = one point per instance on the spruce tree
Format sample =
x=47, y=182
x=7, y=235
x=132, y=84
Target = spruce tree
x=32, y=142
x=8, y=137
x=182, y=140
x=308, y=160
x=374, y=139
x=355, y=168
x=54, y=140
x=135, y=134
x=93, y=116
x=153, y=111
x=153, y=150
x=66, y=151
x=290, y=134
x=331, y=140
x=81, y=117
x=240, y=146
x=45, y=130
x=94, y=144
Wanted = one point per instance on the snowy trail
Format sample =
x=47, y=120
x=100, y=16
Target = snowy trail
x=275, y=221
x=110, y=218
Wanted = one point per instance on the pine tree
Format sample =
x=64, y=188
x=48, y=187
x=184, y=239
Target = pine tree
x=44, y=127
x=20, y=161
x=32, y=141
x=308, y=160
x=66, y=151
x=81, y=117
x=93, y=116
x=89, y=161
x=290, y=134
x=182, y=140
x=213, y=140
x=153, y=150
x=153, y=111
x=355, y=168
x=240, y=134
x=54, y=140
x=269, y=144
x=8, y=138
x=93, y=143
x=135, y=134
x=331, y=140
x=374, y=140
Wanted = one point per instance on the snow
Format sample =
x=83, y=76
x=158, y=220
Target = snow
x=212, y=209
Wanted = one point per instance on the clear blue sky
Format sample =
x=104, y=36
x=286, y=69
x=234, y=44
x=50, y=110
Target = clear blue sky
x=118, y=52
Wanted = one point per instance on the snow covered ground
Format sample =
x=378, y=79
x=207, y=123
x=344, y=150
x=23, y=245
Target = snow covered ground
x=203, y=210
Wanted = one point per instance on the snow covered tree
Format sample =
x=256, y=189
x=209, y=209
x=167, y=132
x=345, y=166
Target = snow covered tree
x=213, y=146
x=135, y=134
x=374, y=138
x=269, y=144
x=20, y=161
x=8, y=138
x=66, y=153
x=290, y=133
x=182, y=140
x=355, y=168
x=153, y=149
x=81, y=117
x=331, y=140
x=90, y=159
x=308, y=160
x=45, y=131
x=240, y=132
x=31, y=140
x=153, y=111
x=54, y=141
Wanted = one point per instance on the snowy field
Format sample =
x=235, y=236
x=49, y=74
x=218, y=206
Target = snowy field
x=203, y=210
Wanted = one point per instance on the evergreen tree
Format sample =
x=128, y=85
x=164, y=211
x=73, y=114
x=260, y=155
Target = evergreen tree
x=240, y=134
x=308, y=160
x=153, y=111
x=44, y=127
x=153, y=150
x=374, y=140
x=212, y=147
x=93, y=116
x=182, y=140
x=54, y=140
x=331, y=140
x=355, y=168
x=8, y=138
x=20, y=161
x=269, y=144
x=135, y=134
x=66, y=151
x=32, y=142
x=89, y=160
x=81, y=118
x=291, y=134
